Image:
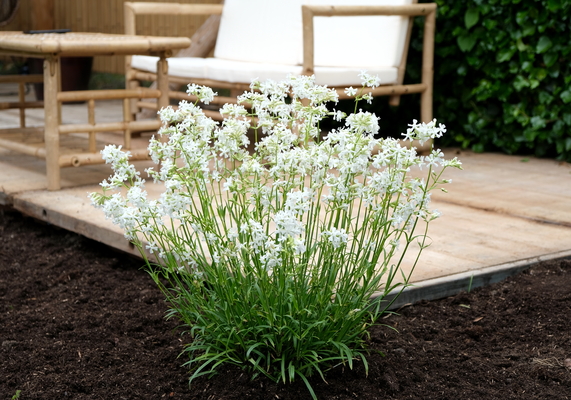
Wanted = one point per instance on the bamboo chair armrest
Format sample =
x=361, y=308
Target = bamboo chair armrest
x=411, y=10
x=427, y=10
x=150, y=8
x=132, y=9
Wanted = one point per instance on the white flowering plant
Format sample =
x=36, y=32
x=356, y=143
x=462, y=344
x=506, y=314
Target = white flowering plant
x=271, y=238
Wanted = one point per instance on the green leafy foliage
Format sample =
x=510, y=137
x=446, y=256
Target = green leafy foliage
x=503, y=75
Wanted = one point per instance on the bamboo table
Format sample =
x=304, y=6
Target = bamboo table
x=51, y=47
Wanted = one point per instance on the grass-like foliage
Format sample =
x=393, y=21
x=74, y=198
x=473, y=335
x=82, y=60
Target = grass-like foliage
x=270, y=252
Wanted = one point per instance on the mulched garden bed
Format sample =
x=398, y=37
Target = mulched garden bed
x=81, y=321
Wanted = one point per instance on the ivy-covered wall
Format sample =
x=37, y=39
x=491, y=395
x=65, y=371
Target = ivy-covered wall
x=503, y=74
x=502, y=79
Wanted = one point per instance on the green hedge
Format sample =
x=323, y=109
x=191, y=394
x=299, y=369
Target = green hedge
x=502, y=76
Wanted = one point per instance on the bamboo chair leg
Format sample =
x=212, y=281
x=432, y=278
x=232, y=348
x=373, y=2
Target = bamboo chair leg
x=91, y=120
x=127, y=119
x=22, y=99
x=428, y=67
x=133, y=84
x=163, y=84
x=426, y=106
x=394, y=101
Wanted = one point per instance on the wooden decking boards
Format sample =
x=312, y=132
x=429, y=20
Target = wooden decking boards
x=502, y=213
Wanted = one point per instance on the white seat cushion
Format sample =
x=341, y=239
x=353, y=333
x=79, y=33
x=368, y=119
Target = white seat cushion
x=187, y=67
x=245, y=72
x=349, y=76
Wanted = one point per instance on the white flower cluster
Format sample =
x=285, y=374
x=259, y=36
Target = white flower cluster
x=293, y=196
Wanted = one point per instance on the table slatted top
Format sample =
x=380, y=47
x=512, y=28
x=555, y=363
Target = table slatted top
x=87, y=43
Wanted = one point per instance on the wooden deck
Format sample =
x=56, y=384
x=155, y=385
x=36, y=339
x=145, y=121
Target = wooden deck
x=502, y=213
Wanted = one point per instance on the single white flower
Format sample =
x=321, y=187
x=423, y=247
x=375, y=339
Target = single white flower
x=369, y=80
x=337, y=237
x=350, y=91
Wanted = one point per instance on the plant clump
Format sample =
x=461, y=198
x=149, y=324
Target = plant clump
x=270, y=249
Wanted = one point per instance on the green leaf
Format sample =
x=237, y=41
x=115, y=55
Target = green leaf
x=553, y=5
x=490, y=24
x=528, y=30
x=519, y=138
x=529, y=135
x=559, y=127
x=554, y=71
x=466, y=42
x=533, y=83
x=543, y=45
x=550, y=58
x=538, y=73
x=526, y=66
x=545, y=97
x=568, y=144
x=521, y=46
x=471, y=17
x=521, y=17
x=505, y=54
x=537, y=122
x=567, y=118
x=520, y=82
x=566, y=96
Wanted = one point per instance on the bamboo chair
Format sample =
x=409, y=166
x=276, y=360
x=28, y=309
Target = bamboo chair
x=269, y=39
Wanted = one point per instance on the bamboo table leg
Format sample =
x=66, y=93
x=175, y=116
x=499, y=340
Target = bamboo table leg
x=51, y=128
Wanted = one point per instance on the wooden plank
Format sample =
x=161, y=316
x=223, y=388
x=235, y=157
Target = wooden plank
x=464, y=239
x=474, y=239
x=23, y=173
x=437, y=288
x=533, y=189
x=72, y=211
x=43, y=14
x=466, y=255
x=479, y=234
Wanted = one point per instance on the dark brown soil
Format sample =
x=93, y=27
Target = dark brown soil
x=81, y=321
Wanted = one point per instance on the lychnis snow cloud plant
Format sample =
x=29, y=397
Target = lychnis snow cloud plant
x=271, y=237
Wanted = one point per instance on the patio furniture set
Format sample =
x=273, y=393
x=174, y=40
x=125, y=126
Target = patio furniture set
x=264, y=39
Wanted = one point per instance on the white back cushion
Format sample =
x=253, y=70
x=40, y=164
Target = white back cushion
x=267, y=31
x=359, y=41
x=270, y=31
